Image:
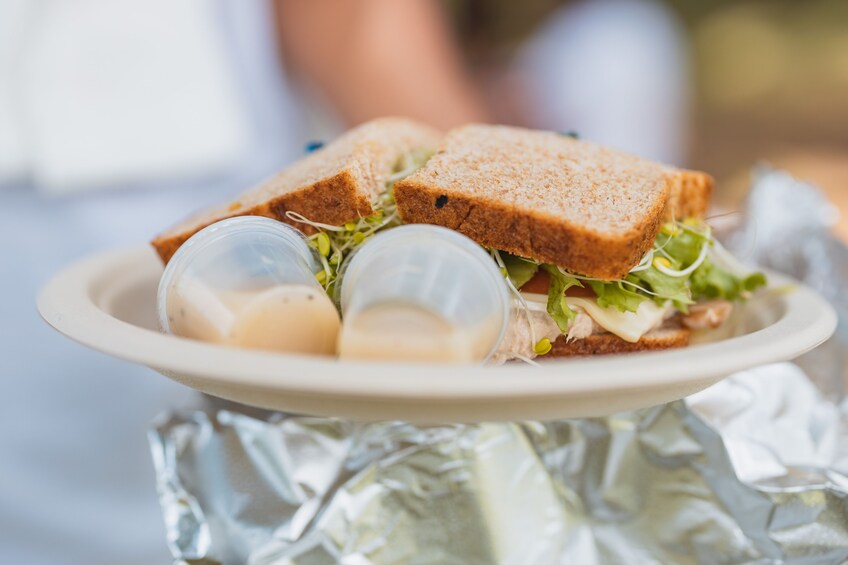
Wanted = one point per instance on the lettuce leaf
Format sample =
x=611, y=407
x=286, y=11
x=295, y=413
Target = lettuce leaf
x=558, y=308
x=683, y=247
x=616, y=295
x=667, y=287
x=518, y=269
x=754, y=281
x=710, y=281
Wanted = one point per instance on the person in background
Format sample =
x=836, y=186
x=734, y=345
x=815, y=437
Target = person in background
x=614, y=71
x=118, y=118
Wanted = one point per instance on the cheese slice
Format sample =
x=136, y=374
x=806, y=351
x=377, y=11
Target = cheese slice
x=629, y=326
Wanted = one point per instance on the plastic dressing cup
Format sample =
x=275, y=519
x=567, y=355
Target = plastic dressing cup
x=422, y=293
x=248, y=282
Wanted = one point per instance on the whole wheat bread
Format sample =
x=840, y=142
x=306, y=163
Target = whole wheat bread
x=587, y=208
x=333, y=185
x=671, y=335
x=690, y=194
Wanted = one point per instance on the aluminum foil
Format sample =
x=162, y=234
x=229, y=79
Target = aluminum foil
x=787, y=227
x=752, y=470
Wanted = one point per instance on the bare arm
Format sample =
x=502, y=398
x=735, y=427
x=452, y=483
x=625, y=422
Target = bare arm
x=380, y=57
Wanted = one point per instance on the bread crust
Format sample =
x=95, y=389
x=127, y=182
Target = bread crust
x=671, y=336
x=529, y=233
x=335, y=200
x=690, y=194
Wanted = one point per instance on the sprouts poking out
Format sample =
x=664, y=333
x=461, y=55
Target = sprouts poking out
x=512, y=288
x=665, y=269
x=520, y=357
x=295, y=217
x=334, y=243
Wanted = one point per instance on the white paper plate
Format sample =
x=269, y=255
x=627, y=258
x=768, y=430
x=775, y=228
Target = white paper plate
x=108, y=303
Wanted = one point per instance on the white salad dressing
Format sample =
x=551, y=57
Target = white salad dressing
x=405, y=332
x=289, y=318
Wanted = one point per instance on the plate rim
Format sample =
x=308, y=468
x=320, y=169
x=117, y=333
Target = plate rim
x=82, y=320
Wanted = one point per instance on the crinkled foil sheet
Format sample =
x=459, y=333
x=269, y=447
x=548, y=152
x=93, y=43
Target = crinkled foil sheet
x=752, y=470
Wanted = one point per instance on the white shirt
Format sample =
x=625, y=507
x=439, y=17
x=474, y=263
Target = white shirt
x=76, y=479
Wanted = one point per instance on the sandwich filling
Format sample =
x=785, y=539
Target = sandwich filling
x=686, y=275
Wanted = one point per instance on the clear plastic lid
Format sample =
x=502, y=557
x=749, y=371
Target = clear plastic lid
x=422, y=292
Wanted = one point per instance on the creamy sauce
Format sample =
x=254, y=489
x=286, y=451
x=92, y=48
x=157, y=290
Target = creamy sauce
x=289, y=318
x=403, y=332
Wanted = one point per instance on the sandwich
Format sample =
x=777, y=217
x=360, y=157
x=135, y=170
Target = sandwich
x=605, y=252
x=343, y=182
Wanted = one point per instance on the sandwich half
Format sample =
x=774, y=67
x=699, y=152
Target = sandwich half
x=606, y=252
x=344, y=181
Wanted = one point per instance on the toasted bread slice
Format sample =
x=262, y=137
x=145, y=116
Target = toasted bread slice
x=590, y=209
x=333, y=185
x=671, y=335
